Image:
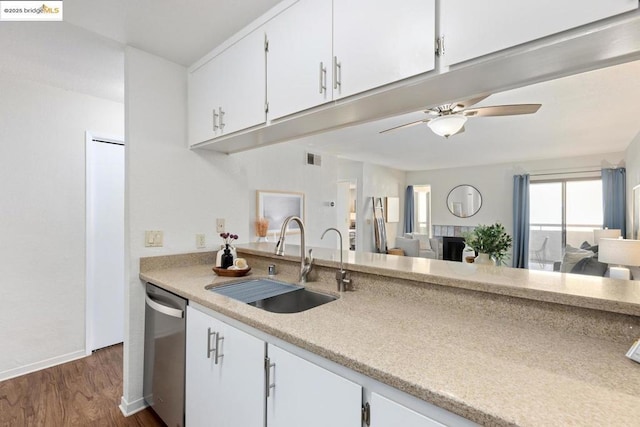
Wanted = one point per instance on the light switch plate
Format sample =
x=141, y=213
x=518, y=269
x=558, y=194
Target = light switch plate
x=200, y=241
x=153, y=238
x=220, y=225
x=634, y=352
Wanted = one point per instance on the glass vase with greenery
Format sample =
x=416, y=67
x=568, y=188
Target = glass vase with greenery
x=490, y=239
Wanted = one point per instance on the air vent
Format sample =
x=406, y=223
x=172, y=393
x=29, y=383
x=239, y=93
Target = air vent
x=314, y=159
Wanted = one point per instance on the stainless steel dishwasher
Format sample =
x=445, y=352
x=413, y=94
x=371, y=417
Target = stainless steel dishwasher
x=164, y=354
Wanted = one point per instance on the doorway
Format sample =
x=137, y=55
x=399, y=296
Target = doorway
x=105, y=257
x=562, y=212
x=346, y=213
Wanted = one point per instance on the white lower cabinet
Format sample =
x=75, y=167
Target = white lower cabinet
x=224, y=374
x=387, y=413
x=304, y=394
x=235, y=379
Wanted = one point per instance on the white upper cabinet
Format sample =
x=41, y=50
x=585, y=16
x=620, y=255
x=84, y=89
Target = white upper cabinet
x=473, y=28
x=377, y=42
x=243, y=78
x=299, y=72
x=304, y=394
x=227, y=94
x=203, y=104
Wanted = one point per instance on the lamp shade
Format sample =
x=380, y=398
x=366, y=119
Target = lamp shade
x=447, y=125
x=607, y=233
x=619, y=251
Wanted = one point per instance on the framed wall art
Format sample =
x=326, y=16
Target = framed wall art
x=276, y=206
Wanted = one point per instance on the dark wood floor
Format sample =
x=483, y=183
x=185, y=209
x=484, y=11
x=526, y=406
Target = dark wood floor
x=85, y=392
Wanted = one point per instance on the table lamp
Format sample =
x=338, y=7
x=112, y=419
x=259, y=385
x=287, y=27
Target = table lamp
x=621, y=253
x=607, y=233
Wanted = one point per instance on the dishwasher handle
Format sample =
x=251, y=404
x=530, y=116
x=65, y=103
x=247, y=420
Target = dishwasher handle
x=169, y=311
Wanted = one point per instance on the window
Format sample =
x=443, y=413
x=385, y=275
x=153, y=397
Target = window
x=562, y=212
x=422, y=205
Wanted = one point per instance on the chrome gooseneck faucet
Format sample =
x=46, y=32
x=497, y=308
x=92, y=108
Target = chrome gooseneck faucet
x=306, y=264
x=341, y=275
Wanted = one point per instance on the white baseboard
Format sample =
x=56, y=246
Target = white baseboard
x=47, y=363
x=128, y=409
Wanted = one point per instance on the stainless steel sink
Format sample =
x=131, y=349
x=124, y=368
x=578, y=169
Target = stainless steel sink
x=293, y=301
x=273, y=295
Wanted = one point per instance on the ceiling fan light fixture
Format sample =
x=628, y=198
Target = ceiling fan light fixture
x=447, y=125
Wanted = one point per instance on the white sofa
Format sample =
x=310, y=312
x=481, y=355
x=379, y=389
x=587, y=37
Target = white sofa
x=418, y=245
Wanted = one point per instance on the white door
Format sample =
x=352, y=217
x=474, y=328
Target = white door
x=377, y=42
x=105, y=242
x=342, y=212
x=224, y=374
x=299, y=60
x=387, y=413
x=473, y=28
x=303, y=394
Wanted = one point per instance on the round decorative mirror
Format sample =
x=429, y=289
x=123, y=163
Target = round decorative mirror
x=464, y=201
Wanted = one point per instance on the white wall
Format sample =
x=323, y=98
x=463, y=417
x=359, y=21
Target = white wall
x=170, y=188
x=495, y=183
x=283, y=167
x=42, y=182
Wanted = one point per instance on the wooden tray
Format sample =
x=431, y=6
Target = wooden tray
x=231, y=273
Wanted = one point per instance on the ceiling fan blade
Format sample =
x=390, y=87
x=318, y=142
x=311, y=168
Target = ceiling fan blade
x=406, y=125
x=502, y=110
x=468, y=103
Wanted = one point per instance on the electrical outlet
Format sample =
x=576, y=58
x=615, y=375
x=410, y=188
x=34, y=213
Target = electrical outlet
x=220, y=225
x=153, y=238
x=200, y=241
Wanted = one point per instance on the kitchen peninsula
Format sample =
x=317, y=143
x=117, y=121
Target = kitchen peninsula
x=494, y=345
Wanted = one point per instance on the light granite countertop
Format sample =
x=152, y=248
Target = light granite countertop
x=490, y=369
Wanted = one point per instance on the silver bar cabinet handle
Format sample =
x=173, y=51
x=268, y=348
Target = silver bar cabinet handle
x=215, y=120
x=209, y=349
x=267, y=366
x=218, y=356
x=221, y=118
x=337, y=73
x=323, y=78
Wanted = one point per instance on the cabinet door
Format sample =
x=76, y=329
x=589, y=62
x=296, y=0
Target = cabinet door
x=305, y=394
x=387, y=413
x=299, y=59
x=203, y=103
x=228, y=393
x=242, y=77
x=379, y=41
x=473, y=28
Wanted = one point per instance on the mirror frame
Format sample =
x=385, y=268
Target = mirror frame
x=475, y=210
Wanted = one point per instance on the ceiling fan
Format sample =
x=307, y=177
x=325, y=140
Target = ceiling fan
x=449, y=119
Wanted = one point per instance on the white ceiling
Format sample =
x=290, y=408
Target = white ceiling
x=182, y=31
x=64, y=56
x=592, y=113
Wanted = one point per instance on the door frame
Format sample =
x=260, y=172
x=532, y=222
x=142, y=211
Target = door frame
x=89, y=141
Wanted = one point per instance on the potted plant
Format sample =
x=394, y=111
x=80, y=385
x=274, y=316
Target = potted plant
x=489, y=240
